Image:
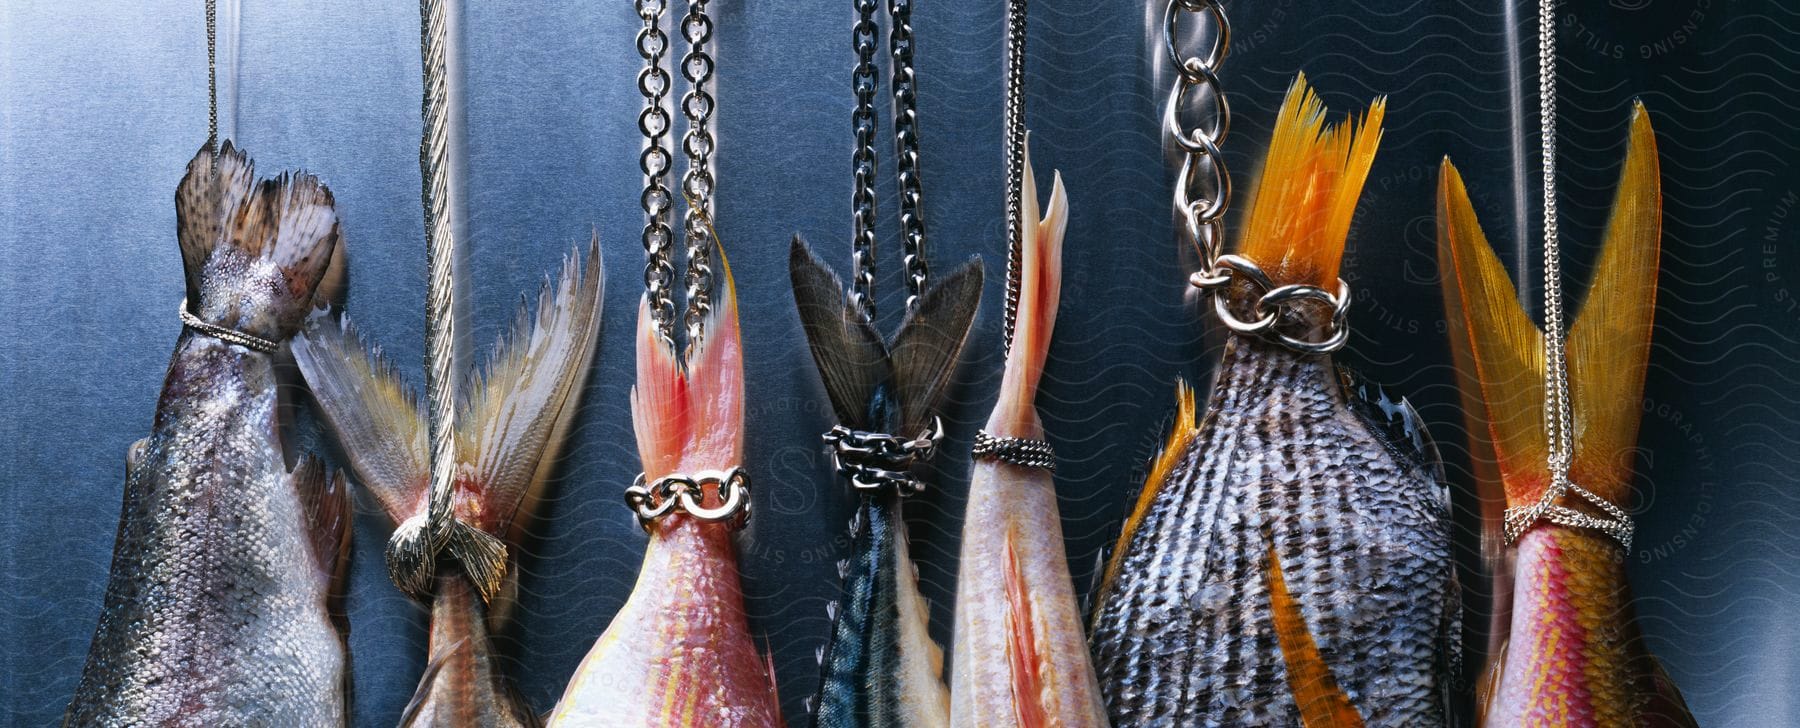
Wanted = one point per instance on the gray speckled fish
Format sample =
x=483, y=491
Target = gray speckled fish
x=218, y=611
x=881, y=668
x=510, y=427
x=1288, y=562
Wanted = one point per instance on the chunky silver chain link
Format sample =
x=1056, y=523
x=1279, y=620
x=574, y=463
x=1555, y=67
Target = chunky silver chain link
x=654, y=123
x=1014, y=111
x=697, y=182
x=865, y=79
x=1203, y=192
x=1559, y=418
x=875, y=461
x=687, y=494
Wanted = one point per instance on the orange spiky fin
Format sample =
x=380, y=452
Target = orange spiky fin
x=1307, y=190
x=1181, y=435
x=1322, y=703
x=1609, y=342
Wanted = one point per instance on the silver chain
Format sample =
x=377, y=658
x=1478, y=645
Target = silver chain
x=697, y=182
x=1020, y=451
x=874, y=462
x=865, y=80
x=1015, y=159
x=1559, y=417
x=655, y=162
x=212, y=80
x=687, y=494
x=906, y=149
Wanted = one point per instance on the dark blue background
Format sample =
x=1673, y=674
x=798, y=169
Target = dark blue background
x=101, y=105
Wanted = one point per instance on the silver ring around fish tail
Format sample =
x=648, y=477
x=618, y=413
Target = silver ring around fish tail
x=229, y=336
x=1023, y=452
x=874, y=462
x=1274, y=307
x=687, y=494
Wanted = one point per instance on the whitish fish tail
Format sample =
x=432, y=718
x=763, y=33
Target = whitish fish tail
x=256, y=252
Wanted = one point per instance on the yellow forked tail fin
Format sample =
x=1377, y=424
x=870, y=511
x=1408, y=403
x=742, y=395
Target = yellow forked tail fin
x=1609, y=342
x=1308, y=188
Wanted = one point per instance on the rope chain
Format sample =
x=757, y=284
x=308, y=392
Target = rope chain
x=1558, y=412
x=697, y=182
x=1015, y=160
x=655, y=162
x=440, y=332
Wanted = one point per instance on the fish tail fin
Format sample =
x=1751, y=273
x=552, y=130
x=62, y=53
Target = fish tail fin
x=1181, y=434
x=1609, y=341
x=694, y=412
x=377, y=419
x=1040, y=290
x=848, y=352
x=1321, y=702
x=930, y=341
x=1506, y=347
x=1307, y=190
x=254, y=252
x=518, y=410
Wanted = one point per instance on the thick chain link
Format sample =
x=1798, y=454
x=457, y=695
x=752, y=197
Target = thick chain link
x=875, y=461
x=697, y=183
x=1558, y=411
x=1014, y=112
x=1023, y=452
x=865, y=80
x=906, y=149
x=687, y=494
x=655, y=162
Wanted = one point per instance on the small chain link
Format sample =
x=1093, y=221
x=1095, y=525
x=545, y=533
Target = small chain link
x=697, y=183
x=1015, y=159
x=906, y=148
x=227, y=335
x=1023, y=452
x=865, y=79
x=1558, y=415
x=655, y=162
x=212, y=79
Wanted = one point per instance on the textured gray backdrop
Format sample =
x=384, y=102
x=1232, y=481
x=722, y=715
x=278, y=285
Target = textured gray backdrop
x=101, y=104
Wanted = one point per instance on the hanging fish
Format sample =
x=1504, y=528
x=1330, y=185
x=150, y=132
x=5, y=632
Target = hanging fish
x=227, y=568
x=679, y=652
x=1021, y=650
x=1575, y=654
x=1288, y=561
x=511, y=425
x=881, y=667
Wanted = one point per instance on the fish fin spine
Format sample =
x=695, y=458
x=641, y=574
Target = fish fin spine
x=1322, y=704
x=1040, y=290
x=325, y=502
x=1181, y=434
x=254, y=252
x=1308, y=188
x=376, y=417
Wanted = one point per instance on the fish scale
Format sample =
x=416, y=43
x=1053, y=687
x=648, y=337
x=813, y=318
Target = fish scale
x=1362, y=534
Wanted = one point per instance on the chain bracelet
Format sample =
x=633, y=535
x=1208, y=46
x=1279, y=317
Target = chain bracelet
x=865, y=79
x=874, y=461
x=687, y=494
x=697, y=182
x=655, y=162
x=1616, y=523
x=227, y=335
x=1278, y=310
x=906, y=150
x=1018, y=451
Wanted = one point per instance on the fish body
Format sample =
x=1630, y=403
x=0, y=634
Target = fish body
x=512, y=418
x=1572, y=653
x=881, y=668
x=1021, y=648
x=680, y=652
x=1288, y=562
x=219, y=606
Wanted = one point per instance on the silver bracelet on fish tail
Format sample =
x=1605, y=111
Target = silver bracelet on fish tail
x=1276, y=309
x=1023, y=452
x=1558, y=417
x=687, y=494
x=229, y=336
x=697, y=182
x=874, y=462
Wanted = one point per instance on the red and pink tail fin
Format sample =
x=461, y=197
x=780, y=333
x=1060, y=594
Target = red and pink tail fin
x=255, y=252
x=1040, y=290
x=692, y=418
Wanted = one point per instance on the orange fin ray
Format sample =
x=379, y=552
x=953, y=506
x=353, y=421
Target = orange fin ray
x=1322, y=703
